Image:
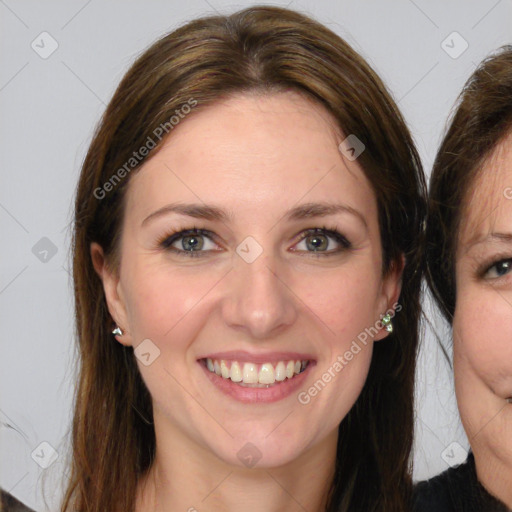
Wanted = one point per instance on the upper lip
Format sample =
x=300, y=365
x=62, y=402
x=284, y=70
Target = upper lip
x=259, y=358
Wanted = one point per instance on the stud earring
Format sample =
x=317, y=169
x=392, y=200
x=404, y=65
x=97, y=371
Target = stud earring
x=117, y=331
x=386, y=323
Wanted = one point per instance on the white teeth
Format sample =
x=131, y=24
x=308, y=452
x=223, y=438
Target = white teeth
x=280, y=371
x=266, y=375
x=224, y=370
x=235, y=374
x=248, y=373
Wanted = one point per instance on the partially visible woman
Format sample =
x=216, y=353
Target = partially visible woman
x=249, y=217
x=469, y=270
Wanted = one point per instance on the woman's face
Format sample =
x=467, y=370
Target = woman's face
x=247, y=294
x=482, y=325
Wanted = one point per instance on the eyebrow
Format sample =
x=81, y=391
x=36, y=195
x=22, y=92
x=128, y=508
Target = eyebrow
x=491, y=237
x=211, y=212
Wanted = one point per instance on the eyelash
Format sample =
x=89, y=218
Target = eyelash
x=495, y=262
x=168, y=239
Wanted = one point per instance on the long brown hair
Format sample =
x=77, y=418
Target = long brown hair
x=264, y=49
x=481, y=119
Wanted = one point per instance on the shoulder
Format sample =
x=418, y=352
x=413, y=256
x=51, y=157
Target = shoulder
x=433, y=495
x=10, y=504
x=455, y=490
x=447, y=492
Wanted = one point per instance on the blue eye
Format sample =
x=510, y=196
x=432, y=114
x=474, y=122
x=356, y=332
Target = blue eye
x=499, y=269
x=189, y=242
x=198, y=242
x=320, y=241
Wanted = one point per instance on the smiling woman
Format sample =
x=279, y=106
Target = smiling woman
x=469, y=259
x=257, y=253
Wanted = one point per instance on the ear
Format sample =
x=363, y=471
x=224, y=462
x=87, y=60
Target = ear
x=113, y=292
x=391, y=288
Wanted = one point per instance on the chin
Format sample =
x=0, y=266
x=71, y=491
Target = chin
x=260, y=452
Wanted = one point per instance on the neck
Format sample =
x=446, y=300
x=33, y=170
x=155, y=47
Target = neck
x=495, y=474
x=186, y=477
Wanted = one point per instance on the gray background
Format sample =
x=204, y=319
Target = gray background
x=49, y=109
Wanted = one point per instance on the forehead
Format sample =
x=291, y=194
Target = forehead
x=250, y=150
x=487, y=206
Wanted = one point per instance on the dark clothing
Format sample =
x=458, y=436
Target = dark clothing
x=11, y=504
x=456, y=490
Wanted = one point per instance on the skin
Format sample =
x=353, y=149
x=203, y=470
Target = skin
x=482, y=323
x=258, y=157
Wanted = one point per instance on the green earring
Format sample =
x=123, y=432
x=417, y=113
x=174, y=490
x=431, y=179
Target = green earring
x=386, y=322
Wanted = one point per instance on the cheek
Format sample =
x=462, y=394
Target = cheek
x=482, y=332
x=160, y=297
x=344, y=301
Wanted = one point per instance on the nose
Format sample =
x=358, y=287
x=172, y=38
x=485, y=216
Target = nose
x=258, y=300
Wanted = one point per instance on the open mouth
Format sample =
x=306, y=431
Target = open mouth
x=248, y=374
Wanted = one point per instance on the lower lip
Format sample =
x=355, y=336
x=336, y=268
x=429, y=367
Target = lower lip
x=274, y=393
